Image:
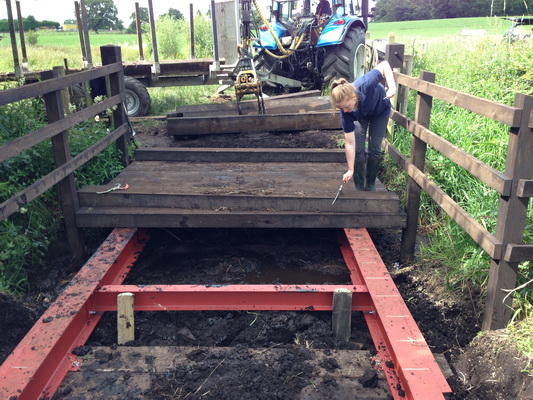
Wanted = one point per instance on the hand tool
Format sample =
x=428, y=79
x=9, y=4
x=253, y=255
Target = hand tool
x=118, y=186
x=338, y=192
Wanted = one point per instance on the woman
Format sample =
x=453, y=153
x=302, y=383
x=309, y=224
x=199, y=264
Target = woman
x=364, y=106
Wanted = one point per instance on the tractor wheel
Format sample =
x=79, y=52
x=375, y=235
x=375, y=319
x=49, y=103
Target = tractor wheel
x=347, y=59
x=137, y=98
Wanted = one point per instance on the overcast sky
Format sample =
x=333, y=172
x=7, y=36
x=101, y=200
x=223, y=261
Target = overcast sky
x=59, y=10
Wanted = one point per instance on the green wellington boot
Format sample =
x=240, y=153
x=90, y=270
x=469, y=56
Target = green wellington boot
x=372, y=169
x=359, y=175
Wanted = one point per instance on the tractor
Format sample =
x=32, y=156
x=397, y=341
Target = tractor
x=296, y=49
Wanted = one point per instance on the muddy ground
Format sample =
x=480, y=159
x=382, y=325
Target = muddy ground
x=223, y=365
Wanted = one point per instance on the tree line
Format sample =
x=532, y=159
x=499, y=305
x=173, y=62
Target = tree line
x=101, y=15
x=410, y=10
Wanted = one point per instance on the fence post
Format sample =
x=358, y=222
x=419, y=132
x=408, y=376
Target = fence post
x=110, y=55
x=67, y=186
x=511, y=220
x=418, y=159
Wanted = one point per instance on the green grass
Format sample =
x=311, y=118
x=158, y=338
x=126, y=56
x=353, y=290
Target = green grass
x=405, y=31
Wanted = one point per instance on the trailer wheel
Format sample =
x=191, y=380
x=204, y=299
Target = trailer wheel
x=137, y=98
x=346, y=60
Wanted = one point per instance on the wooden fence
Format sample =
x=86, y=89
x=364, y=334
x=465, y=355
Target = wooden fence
x=515, y=186
x=51, y=88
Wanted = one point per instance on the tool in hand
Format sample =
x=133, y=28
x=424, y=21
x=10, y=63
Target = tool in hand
x=118, y=186
x=338, y=192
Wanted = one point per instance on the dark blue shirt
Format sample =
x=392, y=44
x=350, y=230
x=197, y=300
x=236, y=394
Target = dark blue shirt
x=372, y=100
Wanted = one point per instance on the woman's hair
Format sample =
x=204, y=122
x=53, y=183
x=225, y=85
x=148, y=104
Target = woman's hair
x=341, y=90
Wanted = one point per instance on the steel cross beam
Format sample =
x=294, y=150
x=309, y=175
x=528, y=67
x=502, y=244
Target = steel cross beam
x=404, y=356
x=38, y=365
x=230, y=297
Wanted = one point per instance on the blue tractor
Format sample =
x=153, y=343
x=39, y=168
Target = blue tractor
x=297, y=48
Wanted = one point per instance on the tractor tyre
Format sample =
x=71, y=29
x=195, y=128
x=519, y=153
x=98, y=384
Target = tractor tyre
x=137, y=98
x=347, y=59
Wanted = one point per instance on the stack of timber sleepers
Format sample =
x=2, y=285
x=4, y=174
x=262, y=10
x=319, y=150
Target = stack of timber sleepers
x=293, y=112
x=223, y=187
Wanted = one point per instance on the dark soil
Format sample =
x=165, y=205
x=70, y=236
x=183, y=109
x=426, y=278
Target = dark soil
x=222, y=361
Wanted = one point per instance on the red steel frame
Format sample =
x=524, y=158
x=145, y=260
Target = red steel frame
x=40, y=362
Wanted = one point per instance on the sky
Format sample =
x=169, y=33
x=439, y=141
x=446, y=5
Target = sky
x=59, y=10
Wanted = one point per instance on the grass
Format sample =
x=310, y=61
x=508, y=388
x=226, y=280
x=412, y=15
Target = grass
x=405, y=31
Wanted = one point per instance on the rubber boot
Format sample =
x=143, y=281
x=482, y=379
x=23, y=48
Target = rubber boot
x=359, y=175
x=372, y=169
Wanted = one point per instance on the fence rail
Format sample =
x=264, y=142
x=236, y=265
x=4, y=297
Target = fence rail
x=51, y=89
x=505, y=246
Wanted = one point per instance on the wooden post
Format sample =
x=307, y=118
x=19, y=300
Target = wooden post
x=80, y=33
x=191, y=14
x=125, y=318
x=342, y=314
x=215, y=35
x=139, y=31
x=418, y=158
x=110, y=55
x=403, y=92
x=67, y=186
x=156, y=69
x=22, y=40
x=511, y=220
x=86, y=40
x=14, y=49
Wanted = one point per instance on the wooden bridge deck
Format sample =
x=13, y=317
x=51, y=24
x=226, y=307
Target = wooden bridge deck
x=215, y=187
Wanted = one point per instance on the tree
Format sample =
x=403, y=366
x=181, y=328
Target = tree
x=144, y=16
x=173, y=13
x=102, y=14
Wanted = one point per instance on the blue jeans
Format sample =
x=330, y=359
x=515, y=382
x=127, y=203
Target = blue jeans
x=376, y=132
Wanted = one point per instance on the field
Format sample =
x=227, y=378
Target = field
x=53, y=48
x=406, y=31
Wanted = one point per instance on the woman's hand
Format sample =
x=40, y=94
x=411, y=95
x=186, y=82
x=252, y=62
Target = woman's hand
x=347, y=176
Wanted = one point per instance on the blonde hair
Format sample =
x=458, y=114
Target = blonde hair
x=341, y=90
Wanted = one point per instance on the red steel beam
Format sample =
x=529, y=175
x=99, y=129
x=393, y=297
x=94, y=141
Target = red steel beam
x=230, y=297
x=37, y=366
x=403, y=352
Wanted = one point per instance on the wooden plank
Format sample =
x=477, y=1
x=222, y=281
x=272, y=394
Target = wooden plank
x=254, y=123
x=372, y=202
x=51, y=85
x=518, y=252
x=491, y=245
x=20, y=199
x=273, y=105
x=91, y=217
x=492, y=177
x=222, y=107
x=507, y=115
x=198, y=66
x=18, y=145
x=240, y=155
x=524, y=188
